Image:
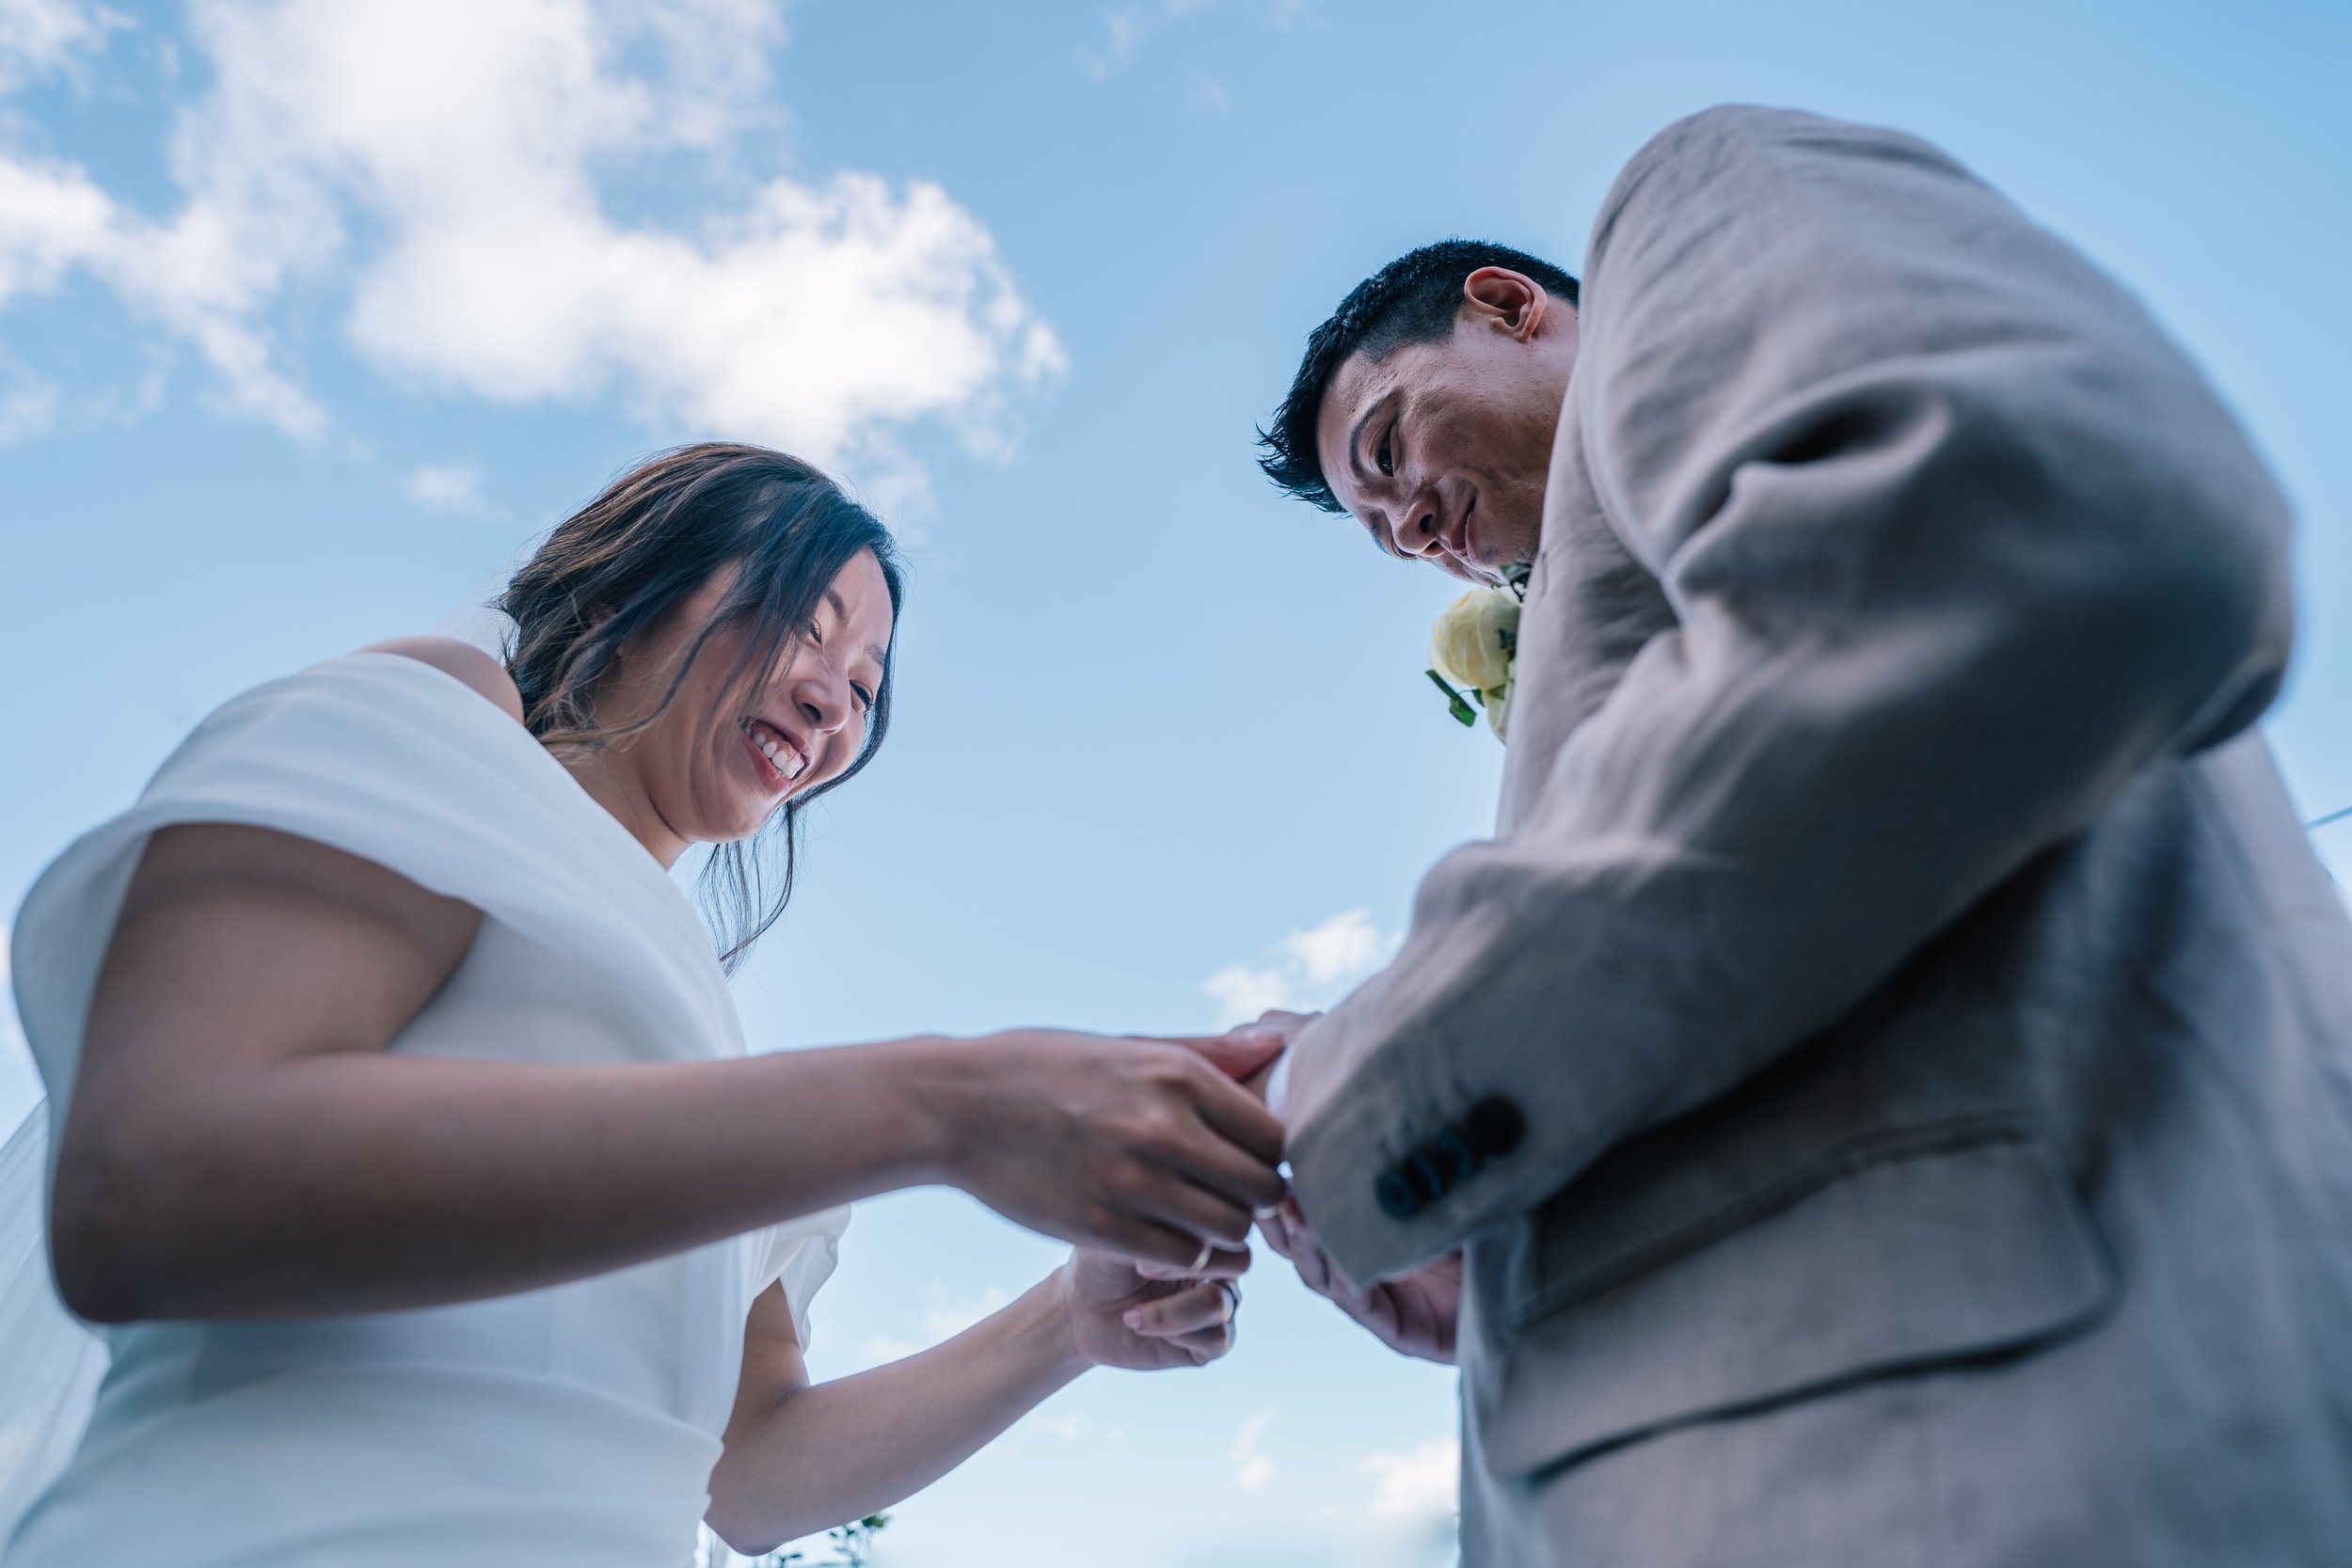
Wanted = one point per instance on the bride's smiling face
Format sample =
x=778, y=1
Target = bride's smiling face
x=728, y=749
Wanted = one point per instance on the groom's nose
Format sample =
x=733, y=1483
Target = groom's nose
x=1416, y=525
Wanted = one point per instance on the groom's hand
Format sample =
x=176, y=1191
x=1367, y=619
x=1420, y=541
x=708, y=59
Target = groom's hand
x=1414, y=1315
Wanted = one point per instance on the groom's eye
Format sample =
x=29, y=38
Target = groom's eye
x=1383, y=457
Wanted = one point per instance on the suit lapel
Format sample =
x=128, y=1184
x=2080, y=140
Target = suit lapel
x=1591, y=606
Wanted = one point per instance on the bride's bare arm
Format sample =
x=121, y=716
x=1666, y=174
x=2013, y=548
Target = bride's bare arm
x=801, y=1458
x=240, y=1144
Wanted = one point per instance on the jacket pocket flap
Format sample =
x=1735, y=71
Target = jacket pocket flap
x=1923, y=1257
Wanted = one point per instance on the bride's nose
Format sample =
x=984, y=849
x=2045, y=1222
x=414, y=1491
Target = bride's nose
x=823, y=696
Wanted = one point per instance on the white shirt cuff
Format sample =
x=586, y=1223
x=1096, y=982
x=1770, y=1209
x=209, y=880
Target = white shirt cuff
x=1278, y=1085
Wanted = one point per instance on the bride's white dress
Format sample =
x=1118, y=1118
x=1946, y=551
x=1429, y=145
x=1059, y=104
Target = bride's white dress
x=576, y=1425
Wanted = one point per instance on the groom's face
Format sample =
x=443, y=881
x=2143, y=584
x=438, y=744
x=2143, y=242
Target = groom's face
x=1441, y=449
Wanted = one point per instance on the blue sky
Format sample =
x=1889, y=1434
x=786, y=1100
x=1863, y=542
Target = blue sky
x=312, y=314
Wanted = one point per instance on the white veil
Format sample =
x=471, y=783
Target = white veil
x=50, y=1364
x=50, y=1361
x=478, y=619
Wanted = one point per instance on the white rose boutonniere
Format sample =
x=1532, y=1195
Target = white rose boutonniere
x=1473, y=647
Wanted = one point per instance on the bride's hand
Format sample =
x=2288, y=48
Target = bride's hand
x=1143, y=1147
x=1120, y=1318
x=1247, y=1052
x=1276, y=1026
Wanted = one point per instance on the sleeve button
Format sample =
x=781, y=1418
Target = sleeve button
x=1395, y=1195
x=1452, y=1158
x=1493, y=1127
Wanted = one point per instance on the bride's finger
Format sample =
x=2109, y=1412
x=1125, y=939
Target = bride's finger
x=1227, y=1157
x=1146, y=1243
x=1225, y=1263
x=1219, y=1262
x=1218, y=1220
x=1237, y=1054
x=1205, y=1305
x=1207, y=1344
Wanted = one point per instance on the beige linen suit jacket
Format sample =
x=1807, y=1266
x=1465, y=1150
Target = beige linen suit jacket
x=1889, y=1067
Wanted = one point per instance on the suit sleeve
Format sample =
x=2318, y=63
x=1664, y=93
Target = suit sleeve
x=1956, y=543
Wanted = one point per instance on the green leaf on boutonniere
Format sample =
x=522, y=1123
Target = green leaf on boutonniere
x=1453, y=703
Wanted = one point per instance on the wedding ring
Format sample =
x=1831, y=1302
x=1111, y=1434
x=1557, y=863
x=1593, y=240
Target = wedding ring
x=1232, y=1293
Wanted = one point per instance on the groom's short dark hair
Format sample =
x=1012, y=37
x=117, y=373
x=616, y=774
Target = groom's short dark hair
x=1414, y=299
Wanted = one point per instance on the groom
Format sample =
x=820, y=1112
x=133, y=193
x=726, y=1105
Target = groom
x=1885, y=1093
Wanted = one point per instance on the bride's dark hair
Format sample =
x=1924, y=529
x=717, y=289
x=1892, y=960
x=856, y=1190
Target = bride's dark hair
x=619, y=565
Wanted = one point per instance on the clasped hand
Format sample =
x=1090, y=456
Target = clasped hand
x=1154, y=1155
x=1415, y=1314
x=1148, y=1153
x=1144, y=1149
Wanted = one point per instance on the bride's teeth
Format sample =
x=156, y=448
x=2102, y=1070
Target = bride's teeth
x=785, y=759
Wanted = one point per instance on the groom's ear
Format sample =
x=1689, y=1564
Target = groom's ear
x=1508, y=301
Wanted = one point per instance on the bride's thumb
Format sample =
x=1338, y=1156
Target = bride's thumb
x=1240, y=1052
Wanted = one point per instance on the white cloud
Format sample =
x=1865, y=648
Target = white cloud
x=1307, y=969
x=1207, y=95
x=1242, y=993
x=946, y=1317
x=1125, y=28
x=204, y=275
x=950, y=1316
x=1342, y=947
x=471, y=226
x=50, y=218
x=450, y=486
x=27, y=409
x=39, y=38
x=1253, y=1468
x=1423, y=1485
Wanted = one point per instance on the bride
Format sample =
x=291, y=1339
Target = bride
x=405, y=1142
